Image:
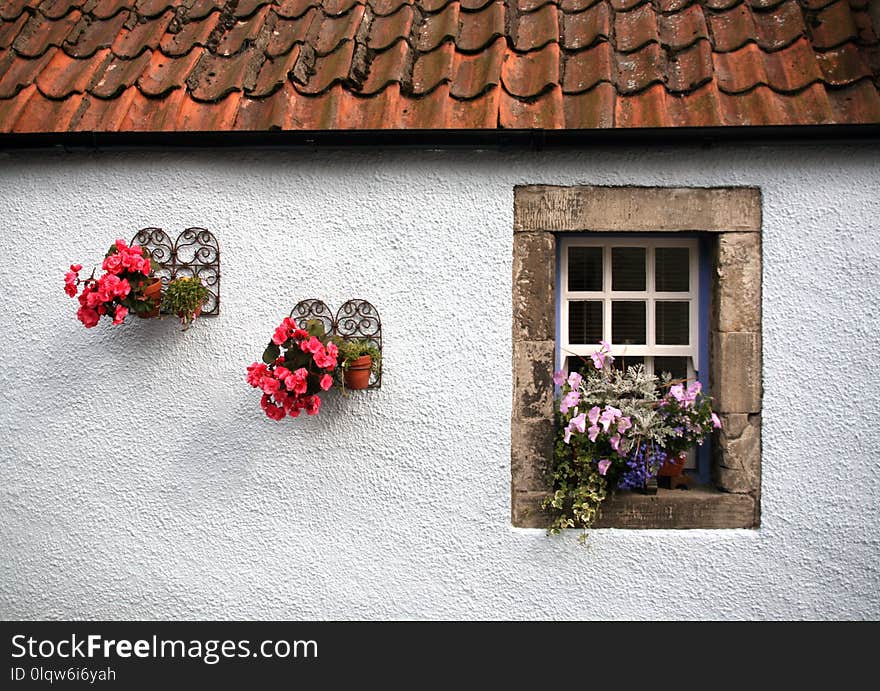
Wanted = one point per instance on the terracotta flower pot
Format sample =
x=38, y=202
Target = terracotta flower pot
x=673, y=467
x=152, y=293
x=357, y=376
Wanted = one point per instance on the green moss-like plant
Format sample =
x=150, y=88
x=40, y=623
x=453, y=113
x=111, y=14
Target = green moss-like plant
x=351, y=350
x=185, y=297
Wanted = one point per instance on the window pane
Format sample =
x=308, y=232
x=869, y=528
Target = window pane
x=673, y=323
x=575, y=364
x=628, y=322
x=628, y=268
x=585, y=321
x=672, y=269
x=585, y=268
x=676, y=366
x=621, y=362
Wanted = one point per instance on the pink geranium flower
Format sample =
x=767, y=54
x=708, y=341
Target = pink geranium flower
x=120, y=314
x=326, y=382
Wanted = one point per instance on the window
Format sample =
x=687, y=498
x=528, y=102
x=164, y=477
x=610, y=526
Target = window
x=639, y=294
x=672, y=278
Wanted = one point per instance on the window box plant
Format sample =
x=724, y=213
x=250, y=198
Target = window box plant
x=359, y=359
x=185, y=297
x=617, y=429
x=297, y=365
x=127, y=286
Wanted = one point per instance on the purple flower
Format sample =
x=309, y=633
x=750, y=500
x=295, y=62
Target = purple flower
x=570, y=400
x=559, y=378
x=603, y=466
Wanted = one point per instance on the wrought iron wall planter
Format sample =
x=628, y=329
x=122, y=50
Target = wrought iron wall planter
x=195, y=252
x=355, y=320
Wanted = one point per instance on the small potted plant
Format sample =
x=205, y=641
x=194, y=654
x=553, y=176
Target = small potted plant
x=185, y=297
x=359, y=358
x=297, y=365
x=616, y=431
x=127, y=286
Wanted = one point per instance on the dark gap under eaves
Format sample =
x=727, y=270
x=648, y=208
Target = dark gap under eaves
x=529, y=140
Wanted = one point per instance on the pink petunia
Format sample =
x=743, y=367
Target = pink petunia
x=623, y=424
x=579, y=423
x=575, y=380
x=716, y=421
x=593, y=415
x=615, y=443
x=609, y=415
x=593, y=432
x=604, y=464
x=570, y=400
x=559, y=377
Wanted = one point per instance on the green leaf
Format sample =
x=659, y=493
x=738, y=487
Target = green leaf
x=271, y=353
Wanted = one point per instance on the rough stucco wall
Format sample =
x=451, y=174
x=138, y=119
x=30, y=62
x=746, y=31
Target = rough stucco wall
x=139, y=478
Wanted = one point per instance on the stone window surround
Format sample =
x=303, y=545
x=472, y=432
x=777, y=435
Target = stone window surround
x=732, y=217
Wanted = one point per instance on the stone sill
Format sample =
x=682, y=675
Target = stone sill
x=698, y=507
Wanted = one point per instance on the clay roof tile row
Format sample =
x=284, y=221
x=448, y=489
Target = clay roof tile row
x=142, y=65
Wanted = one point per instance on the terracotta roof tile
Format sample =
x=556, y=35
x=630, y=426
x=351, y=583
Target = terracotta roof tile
x=164, y=65
x=637, y=71
x=242, y=33
x=329, y=69
x=529, y=74
x=334, y=30
x=430, y=70
x=40, y=33
x=474, y=74
x=89, y=36
x=592, y=109
x=214, y=76
x=584, y=28
x=384, y=31
x=104, y=9
x=690, y=68
x=636, y=29
x=386, y=68
x=191, y=34
x=436, y=28
x=684, y=28
x=273, y=73
x=289, y=32
x=842, y=66
x=291, y=9
x=9, y=30
x=546, y=114
x=55, y=9
x=535, y=29
x=584, y=70
x=118, y=75
x=144, y=35
x=832, y=25
x=165, y=74
x=64, y=75
x=478, y=29
x=13, y=9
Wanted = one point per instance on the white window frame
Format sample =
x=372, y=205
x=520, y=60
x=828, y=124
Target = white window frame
x=649, y=296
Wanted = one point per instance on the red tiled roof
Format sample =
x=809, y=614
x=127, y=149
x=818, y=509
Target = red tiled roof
x=256, y=65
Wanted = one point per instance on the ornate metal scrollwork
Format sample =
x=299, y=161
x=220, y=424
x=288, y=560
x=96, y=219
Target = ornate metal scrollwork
x=356, y=319
x=195, y=252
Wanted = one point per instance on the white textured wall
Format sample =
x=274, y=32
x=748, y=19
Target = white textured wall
x=140, y=479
